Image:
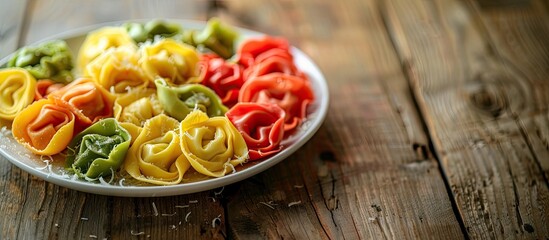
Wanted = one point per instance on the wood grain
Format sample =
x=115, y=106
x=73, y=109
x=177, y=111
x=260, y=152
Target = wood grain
x=368, y=172
x=476, y=107
x=519, y=38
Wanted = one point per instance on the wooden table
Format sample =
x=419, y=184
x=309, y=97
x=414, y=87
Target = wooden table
x=438, y=127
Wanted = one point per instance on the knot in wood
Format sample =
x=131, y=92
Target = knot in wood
x=489, y=100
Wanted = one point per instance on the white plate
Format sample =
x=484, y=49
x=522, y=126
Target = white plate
x=55, y=173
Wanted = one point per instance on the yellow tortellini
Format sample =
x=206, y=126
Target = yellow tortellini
x=16, y=91
x=117, y=69
x=213, y=146
x=98, y=41
x=137, y=106
x=155, y=156
x=170, y=59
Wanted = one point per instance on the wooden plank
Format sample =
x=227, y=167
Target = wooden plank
x=515, y=33
x=368, y=172
x=11, y=22
x=477, y=108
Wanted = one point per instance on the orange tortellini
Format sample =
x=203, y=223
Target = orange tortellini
x=47, y=126
x=155, y=156
x=170, y=59
x=98, y=41
x=213, y=146
x=87, y=97
x=117, y=69
x=16, y=91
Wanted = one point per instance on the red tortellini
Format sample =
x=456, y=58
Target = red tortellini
x=291, y=93
x=261, y=125
x=223, y=77
x=259, y=49
x=267, y=55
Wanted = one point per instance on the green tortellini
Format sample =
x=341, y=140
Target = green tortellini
x=49, y=60
x=218, y=37
x=144, y=32
x=99, y=150
x=181, y=100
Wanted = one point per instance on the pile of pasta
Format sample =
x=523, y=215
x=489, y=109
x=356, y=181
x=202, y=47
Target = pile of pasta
x=155, y=101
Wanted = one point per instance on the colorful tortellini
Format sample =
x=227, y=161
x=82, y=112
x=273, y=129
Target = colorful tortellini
x=155, y=156
x=223, y=77
x=291, y=93
x=218, y=37
x=155, y=103
x=17, y=87
x=51, y=60
x=99, y=150
x=47, y=126
x=137, y=106
x=273, y=64
x=213, y=146
x=148, y=31
x=44, y=87
x=99, y=41
x=87, y=97
x=256, y=50
x=261, y=125
x=117, y=69
x=179, y=101
x=170, y=59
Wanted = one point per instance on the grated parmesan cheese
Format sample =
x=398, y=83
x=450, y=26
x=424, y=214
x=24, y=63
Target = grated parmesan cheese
x=121, y=182
x=270, y=205
x=136, y=234
x=294, y=203
x=218, y=218
x=187, y=217
x=155, y=211
x=220, y=191
x=168, y=214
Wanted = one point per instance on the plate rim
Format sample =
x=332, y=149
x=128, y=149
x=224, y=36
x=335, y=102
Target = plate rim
x=321, y=97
